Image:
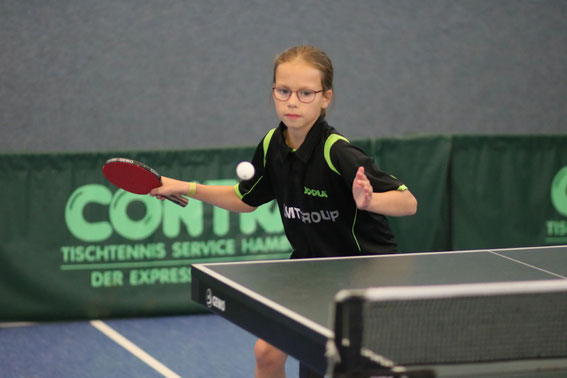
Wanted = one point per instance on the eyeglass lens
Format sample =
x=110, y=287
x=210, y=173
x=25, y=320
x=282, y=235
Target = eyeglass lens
x=304, y=95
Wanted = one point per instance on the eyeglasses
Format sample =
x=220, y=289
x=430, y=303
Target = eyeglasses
x=304, y=95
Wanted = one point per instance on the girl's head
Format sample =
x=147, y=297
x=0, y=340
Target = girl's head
x=306, y=69
x=311, y=55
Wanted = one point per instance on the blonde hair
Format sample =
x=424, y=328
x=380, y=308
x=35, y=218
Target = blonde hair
x=311, y=55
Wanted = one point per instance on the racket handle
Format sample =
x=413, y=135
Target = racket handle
x=178, y=200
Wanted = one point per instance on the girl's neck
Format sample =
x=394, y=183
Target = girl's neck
x=294, y=138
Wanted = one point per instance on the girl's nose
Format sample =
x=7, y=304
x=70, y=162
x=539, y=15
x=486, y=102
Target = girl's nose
x=293, y=100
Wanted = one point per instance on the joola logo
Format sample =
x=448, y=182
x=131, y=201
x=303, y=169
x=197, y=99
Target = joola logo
x=315, y=192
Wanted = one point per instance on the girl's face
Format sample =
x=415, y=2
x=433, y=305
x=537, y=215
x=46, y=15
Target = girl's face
x=294, y=76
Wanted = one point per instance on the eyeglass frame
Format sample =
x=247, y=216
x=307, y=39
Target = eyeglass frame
x=292, y=92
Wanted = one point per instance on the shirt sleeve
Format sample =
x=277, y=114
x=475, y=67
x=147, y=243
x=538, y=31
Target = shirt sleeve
x=257, y=190
x=348, y=158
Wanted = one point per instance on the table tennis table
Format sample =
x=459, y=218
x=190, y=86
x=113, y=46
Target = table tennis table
x=292, y=304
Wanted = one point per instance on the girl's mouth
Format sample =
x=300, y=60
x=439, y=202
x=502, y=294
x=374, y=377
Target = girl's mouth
x=292, y=116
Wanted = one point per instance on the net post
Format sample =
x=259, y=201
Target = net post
x=347, y=325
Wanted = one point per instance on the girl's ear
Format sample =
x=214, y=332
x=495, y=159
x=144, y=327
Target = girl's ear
x=327, y=97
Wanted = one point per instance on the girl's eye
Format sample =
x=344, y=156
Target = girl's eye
x=306, y=93
x=283, y=91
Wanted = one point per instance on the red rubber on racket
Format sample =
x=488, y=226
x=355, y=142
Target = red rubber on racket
x=135, y=177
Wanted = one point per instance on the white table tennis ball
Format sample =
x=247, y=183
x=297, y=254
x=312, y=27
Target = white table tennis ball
x=245, y=170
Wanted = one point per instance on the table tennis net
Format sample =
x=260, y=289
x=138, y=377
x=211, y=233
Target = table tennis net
x=452, y=324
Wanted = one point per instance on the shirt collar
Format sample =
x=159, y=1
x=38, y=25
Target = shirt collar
x=312, y=138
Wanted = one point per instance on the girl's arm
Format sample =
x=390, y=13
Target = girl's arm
x=222, y=196
x=393, y=203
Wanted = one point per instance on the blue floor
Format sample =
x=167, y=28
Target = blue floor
x=191, y=346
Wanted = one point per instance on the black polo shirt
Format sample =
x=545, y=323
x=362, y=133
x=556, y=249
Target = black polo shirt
x=313, y=189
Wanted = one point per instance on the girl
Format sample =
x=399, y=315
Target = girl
x=332, y=198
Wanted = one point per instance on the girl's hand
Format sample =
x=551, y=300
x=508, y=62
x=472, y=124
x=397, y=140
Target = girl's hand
x=361, y=190
x=169, y=187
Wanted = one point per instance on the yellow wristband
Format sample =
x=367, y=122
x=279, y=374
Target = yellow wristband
x=192, y=189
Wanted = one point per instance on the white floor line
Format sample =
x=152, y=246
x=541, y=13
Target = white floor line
x=134, y=349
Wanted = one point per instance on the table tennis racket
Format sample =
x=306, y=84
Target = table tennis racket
x=135, y=177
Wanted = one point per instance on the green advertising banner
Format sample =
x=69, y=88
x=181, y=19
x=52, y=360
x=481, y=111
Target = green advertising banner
x=422, y=163
x=74, y=246
x=508, y=191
